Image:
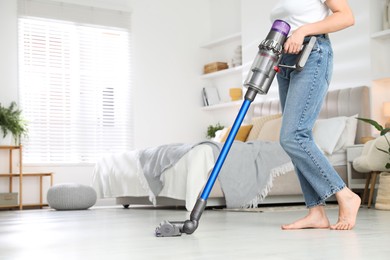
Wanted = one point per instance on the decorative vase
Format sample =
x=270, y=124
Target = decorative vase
x=383, y=196
x=235, y=94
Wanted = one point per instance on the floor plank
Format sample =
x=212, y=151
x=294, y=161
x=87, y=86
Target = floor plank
x=117, y=233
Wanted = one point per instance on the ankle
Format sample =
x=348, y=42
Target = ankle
x=317, y=210
x=345, y=193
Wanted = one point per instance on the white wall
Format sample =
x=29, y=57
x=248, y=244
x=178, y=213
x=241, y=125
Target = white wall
x=167, y=64
x=8, y=52
x=225, y=18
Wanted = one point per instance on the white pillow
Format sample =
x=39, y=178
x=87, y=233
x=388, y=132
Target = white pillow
x=348, y=135
x=327, y=132
x=220, y=134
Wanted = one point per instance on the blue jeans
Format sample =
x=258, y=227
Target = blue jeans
x=301, y=95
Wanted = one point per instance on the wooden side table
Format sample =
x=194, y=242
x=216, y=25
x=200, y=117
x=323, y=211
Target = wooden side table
x=21, y=175
x=355, y=180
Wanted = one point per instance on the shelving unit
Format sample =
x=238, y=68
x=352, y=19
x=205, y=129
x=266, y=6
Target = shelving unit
x=21, y=175
x=10, y=174
x=220, y=78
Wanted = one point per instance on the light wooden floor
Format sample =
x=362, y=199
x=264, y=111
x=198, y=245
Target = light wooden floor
x=117, y=233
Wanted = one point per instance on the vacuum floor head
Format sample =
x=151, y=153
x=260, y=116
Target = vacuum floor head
x=169, y=229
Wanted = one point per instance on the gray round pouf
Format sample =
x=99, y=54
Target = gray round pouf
x=69, y=196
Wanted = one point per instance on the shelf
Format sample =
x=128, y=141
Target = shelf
x=228, y=104
x=27, y=174
x=222, y=105
x=8, y=206
x=222, y=73
x=9, y=147
x=24, y=205
x=382, y=35
x=222, y=41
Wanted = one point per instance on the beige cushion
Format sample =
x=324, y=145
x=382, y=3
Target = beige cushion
x=270, y=130
x=258, y=123
x=242, y=133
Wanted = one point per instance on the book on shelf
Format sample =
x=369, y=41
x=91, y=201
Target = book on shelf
x=210, y=96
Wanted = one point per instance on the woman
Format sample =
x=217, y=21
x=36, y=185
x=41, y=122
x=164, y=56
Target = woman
x=301, y=95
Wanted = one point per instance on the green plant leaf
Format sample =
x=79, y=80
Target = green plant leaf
x=387, y=166
x=11, y=121
x=385, y=131
x=372, y=122
x=211, y=130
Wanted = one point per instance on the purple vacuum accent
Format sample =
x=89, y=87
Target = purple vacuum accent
x=281, y=26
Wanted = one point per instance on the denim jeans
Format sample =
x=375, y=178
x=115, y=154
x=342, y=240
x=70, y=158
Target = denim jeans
x=301, y=96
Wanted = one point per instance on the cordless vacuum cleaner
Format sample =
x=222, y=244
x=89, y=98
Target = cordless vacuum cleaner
x=260, y=77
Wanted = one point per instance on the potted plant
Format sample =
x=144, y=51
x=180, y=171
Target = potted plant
x=212, y=129
x=12, y=123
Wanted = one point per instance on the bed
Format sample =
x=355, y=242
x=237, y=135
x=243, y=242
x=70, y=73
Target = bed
x=121, y=176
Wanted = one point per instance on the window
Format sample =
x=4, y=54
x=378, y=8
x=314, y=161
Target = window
x=74, y=87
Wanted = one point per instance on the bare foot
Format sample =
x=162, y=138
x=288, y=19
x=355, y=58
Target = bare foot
x=316, y=218
x=349, y=204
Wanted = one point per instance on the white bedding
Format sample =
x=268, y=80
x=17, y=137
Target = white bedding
x=338, y=158
x=120, y=175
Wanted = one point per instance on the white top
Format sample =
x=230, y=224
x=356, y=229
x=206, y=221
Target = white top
x=299, y=12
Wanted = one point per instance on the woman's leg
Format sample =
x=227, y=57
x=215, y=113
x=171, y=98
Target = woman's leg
x=302, y=104
x=316, y=218
x=302, y=95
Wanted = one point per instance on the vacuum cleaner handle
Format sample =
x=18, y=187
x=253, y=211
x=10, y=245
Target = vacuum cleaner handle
x=303, y=55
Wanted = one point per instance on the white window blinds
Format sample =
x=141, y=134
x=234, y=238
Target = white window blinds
x=74, y=82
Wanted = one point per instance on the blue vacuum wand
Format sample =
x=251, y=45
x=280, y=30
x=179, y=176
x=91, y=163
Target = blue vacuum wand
x=259, y=80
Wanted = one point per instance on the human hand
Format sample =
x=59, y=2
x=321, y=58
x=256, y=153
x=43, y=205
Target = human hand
x=293, y=45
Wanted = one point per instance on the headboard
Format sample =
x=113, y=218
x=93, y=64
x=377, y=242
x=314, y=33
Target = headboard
x=340, y=102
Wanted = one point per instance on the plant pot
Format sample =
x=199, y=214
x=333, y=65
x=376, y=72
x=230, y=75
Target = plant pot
x=383, y=196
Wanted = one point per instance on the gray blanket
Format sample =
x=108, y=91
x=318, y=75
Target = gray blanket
x=248, y=171
x=245, y=178
x=154, y=161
